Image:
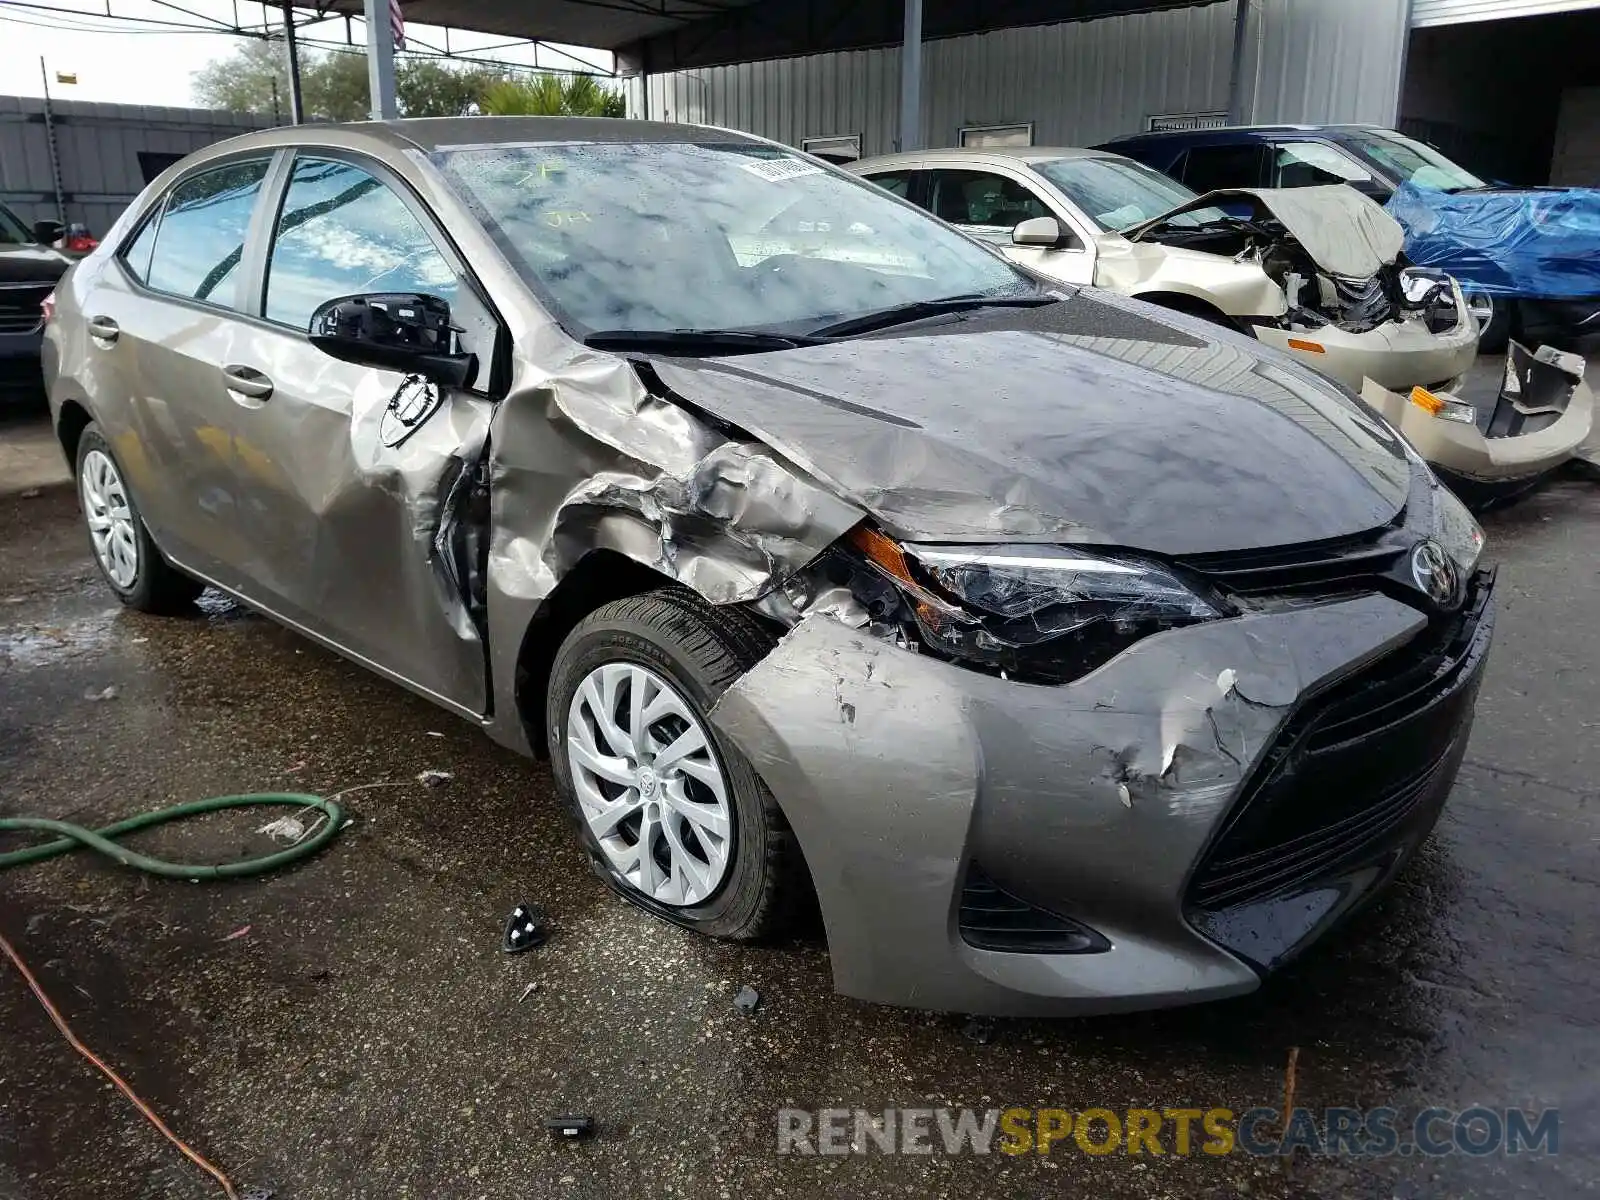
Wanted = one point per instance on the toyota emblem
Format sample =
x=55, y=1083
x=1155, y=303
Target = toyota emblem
x=1435, y=573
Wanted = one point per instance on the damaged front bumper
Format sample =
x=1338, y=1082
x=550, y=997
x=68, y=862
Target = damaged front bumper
x=1397, y=354
x=1544, y=415
x=1161, y=831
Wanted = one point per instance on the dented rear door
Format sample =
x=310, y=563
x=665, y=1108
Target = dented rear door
x=354, y=505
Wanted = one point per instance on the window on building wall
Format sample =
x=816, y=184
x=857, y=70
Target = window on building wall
x=978, y=137
x=1179, y=121
x=842, y=149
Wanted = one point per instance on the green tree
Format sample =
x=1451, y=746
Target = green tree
x=333, y=85
x=552, y=96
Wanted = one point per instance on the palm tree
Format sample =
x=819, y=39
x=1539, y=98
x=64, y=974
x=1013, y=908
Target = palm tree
x=551, y=96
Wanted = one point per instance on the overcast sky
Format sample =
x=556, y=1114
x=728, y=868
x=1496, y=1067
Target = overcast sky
x=137, y=63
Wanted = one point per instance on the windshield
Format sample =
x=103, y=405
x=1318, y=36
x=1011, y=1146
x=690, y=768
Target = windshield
x=1412, y=162
x=12, y=231
x=1117, y=193
x=682, y=236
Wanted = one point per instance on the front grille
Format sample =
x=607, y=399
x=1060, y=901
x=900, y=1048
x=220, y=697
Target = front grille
x=1350, y=768
x=993, y=919
x=1316, y=568
x=1365, y=303
x=19, y=306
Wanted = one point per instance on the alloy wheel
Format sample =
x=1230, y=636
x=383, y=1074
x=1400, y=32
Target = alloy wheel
x=649, y=784
x=110, y=518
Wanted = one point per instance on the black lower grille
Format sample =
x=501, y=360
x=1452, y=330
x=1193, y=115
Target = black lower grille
x=993, y=919
x=1351, y=768
x=20, y=310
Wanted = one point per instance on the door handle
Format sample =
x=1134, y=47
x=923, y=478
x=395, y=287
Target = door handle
x=103, y=328
x=247, y=381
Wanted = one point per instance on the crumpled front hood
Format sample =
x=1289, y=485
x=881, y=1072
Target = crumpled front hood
x=1341, y=230
x=1095, y=420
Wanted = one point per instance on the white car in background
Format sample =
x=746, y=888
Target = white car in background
x=1312, y=271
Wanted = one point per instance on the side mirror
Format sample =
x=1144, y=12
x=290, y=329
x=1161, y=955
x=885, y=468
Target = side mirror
x=49, y=232
x=1039, y=231
x=397, y=331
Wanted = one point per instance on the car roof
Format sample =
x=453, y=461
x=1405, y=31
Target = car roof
x=1238, y=133
x=1018, y=154
x=433, y=133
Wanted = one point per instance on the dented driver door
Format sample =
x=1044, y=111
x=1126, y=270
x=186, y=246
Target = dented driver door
x=355, y=483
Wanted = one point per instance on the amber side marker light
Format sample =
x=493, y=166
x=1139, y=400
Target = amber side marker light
x=1427, y=401
x=1308, y=347
x=881, y=551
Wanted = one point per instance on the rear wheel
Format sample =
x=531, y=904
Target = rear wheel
x=128, y=560
x=673, y=817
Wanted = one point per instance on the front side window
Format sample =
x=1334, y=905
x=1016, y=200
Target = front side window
x=1413, y=162
x=1117, y=193
x=686, y=236
x=1207, y=168
x=1308, y=164
x=988, y=203
x=342, y=232
x=199, y=241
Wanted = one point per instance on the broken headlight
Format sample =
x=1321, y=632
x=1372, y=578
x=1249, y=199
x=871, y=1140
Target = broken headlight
x=1456, y=530
x=1047, y=614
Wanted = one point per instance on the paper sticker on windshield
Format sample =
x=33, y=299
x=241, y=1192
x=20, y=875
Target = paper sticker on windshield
x=776, y=170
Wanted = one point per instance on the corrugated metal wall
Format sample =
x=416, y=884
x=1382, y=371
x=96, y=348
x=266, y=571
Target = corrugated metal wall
x=99, y=148
x=1323, y=62
x=1454, y=12
x=1079, y=82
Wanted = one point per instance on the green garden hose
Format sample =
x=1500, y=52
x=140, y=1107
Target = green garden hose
x=72, y=836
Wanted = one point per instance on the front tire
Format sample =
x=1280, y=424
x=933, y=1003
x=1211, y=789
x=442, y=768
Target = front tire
x=673, y=817
x=127, y=557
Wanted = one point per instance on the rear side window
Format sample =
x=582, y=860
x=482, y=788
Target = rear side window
x=896, y=183
x=1206, y=168
x=137, y=253
x=342, y=232
x=199, y=240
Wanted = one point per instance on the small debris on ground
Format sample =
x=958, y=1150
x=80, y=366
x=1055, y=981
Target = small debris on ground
x=575, y=1126
x=242, y=931
x=29, y=494
x=286, y=829
x=528, y=991
x=434, y=733
x=434, y=778
x=105, y=693
x=979, y=1029
x=526, y=927
x=747, y=1001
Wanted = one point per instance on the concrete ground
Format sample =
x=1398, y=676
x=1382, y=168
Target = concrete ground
x=363, y=1036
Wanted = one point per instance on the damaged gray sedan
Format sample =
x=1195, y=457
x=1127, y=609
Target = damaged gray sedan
x=1073, y=655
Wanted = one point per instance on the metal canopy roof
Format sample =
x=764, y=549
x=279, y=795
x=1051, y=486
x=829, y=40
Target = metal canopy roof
x=603, y=24
x=659, y=35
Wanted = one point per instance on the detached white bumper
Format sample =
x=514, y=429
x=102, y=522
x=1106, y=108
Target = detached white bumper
x=1398, y=354
x=1460, y=448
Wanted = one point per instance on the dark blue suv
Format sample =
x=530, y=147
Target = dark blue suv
x=1528, y=257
